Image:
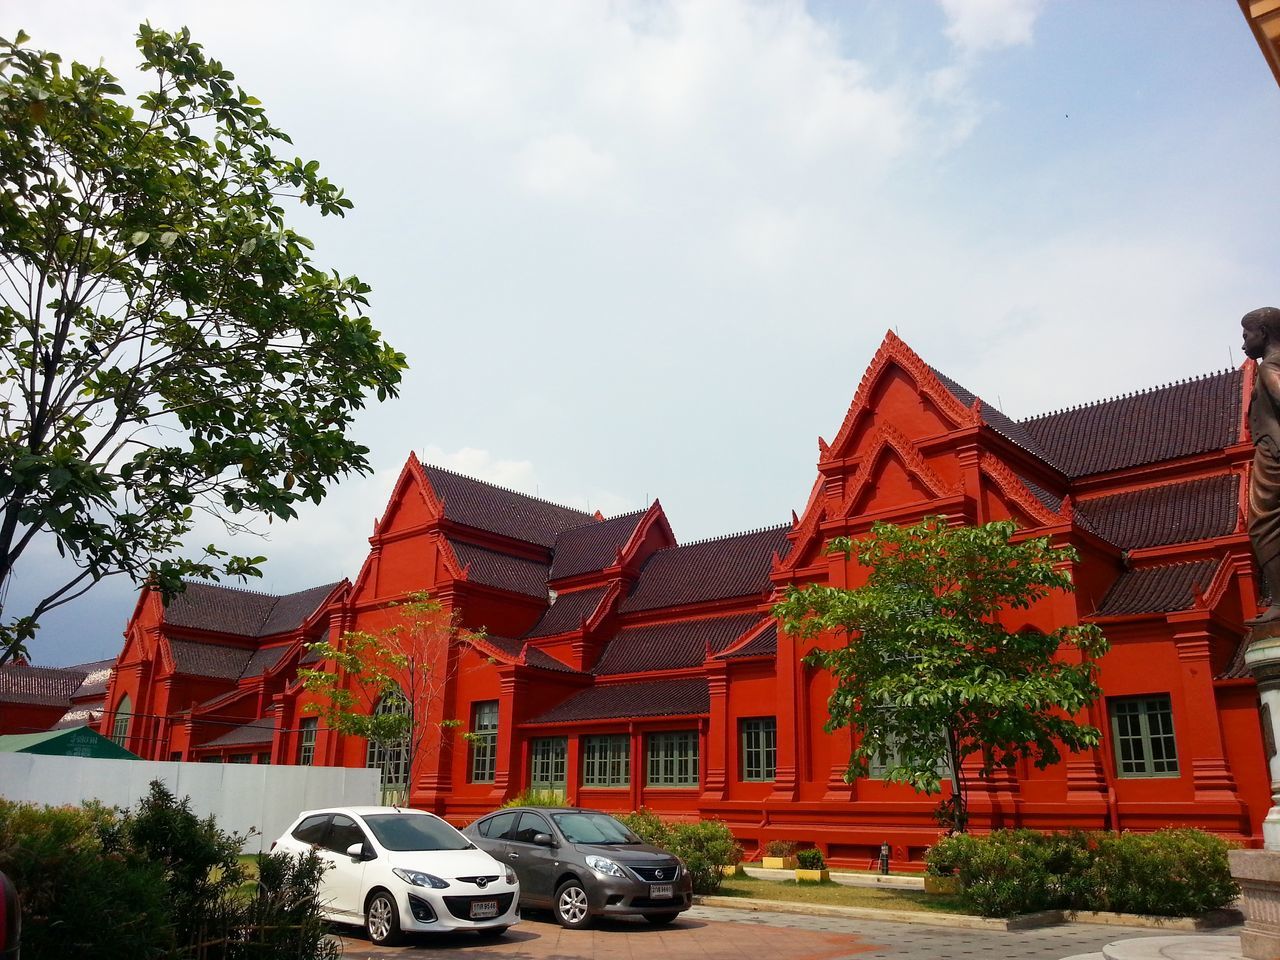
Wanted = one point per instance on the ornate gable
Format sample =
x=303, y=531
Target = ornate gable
x=899, y=382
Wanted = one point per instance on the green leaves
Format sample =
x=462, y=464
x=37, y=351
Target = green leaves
x=937, y=656
x=163, y=325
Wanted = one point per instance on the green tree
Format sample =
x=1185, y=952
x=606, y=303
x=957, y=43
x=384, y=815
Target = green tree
x=384, y=685
x=167, y=346
x=927, y=675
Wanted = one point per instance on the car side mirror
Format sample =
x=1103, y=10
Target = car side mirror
x=358, y=851
x=544, y=840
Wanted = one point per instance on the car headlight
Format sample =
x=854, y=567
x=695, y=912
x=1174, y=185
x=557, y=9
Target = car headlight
x=419, y=879
x=511, y=876
x=605, y=866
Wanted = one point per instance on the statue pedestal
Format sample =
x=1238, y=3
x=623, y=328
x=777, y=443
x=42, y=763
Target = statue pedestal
x=1258, y=871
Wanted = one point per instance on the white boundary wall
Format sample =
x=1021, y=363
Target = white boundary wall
x=242, y=796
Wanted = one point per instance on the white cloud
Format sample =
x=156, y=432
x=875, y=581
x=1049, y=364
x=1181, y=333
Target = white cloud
x=982, y=26
x=483, y=465
x=563, y=165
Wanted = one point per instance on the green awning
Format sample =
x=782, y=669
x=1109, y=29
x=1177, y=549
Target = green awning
x=71, y=742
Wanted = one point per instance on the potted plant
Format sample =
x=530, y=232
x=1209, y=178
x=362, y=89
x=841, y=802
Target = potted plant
x=779, y=855
x=811, y=867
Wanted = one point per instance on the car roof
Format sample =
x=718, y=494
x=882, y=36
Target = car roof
x=548, y=810
x=364, y=811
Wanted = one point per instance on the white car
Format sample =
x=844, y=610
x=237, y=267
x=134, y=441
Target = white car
x=398, y=870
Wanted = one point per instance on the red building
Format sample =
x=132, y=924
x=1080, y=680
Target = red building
x=34, y=699
x=628, y=670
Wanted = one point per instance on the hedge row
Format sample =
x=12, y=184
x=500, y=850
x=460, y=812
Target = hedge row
x=156, y=882
x=1172, y=873
x=704, y=847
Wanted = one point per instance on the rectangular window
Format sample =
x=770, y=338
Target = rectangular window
x=673, y=759
x=307, y=741
x=1143, y=731
x=264, y=758
x=759, y=749
x=242, y=758
x=884, y=761
x=606, y=761
x=548, y=758
x=484, y=741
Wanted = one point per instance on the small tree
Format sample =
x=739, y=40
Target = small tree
x=928, y=675
x=383, y=685
x=167, y=346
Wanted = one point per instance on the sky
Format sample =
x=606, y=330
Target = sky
x=646, y=250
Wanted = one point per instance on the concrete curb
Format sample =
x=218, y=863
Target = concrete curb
x=962, y=921
x=965, y=921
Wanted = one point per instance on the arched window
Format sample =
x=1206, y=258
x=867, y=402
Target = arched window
x=391, y=757
x=120, y=726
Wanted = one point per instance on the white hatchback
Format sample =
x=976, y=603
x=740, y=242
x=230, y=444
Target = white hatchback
x=397, y=870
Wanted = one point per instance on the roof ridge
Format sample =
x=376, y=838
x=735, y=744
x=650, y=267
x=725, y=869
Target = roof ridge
x=1132, y=393
x=595, y=523
x=518, y=493
x=217, y=585
x=727, y=536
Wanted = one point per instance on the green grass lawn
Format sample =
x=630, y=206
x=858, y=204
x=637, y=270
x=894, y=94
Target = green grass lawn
x=838, y=895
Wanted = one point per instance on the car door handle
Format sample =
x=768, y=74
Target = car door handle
x=513, y=856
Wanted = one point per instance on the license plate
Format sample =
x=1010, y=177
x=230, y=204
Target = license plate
x=480, y=909
x=660, y=891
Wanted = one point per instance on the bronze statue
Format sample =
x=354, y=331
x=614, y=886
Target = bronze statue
x=1262, y=343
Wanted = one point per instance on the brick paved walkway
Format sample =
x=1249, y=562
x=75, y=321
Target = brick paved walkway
x=706, y=933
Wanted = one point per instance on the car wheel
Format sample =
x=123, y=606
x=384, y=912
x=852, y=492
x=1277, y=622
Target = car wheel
x=491, y=932
x=571, y=908
x=660, y=919
x=382, y=920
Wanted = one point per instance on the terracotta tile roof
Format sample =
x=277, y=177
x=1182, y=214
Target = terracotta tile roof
x=1160, y=589
x=501, y=570
x=671, y=646
x=484, y=506
x=1169, y=513
x=1164, y=423
x=97, y=676
x=39, y=686
x=264, y=660
x=568, y=612
x=534, y=657
x=732, y=566
x=244, y=613
x=765, y=644
x=251, y=734
x=195, y=659
x=1008, y=428
x=593, y=546
x=1237, y=669
x=671, y=698
x=1049, y=499
x=81, y=715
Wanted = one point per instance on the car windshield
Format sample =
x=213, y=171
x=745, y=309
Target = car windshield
x=407, y=831
x=593, y=828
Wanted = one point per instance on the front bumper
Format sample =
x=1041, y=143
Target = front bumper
x=622, y=896
x=424, y=910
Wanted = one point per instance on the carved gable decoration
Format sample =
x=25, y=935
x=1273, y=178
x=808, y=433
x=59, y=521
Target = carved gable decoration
x=894, y=369
x=891, y=473
x=1016, y=497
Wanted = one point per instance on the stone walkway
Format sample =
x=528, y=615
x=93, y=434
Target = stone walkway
x=708, y=933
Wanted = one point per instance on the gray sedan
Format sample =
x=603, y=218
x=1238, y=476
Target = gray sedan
x=584, y=864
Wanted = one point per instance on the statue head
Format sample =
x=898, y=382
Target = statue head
x=1261, y=328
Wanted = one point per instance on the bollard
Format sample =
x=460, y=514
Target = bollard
x=884, y=857
x=10, y=920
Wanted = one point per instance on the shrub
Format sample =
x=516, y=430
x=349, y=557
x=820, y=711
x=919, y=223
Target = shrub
x=648, y=826
x=704, y=847
x=283, y=915
x=780, y=848
x=537, y=798
x=84, y=891
x=811, y=860
x=1167, y=873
